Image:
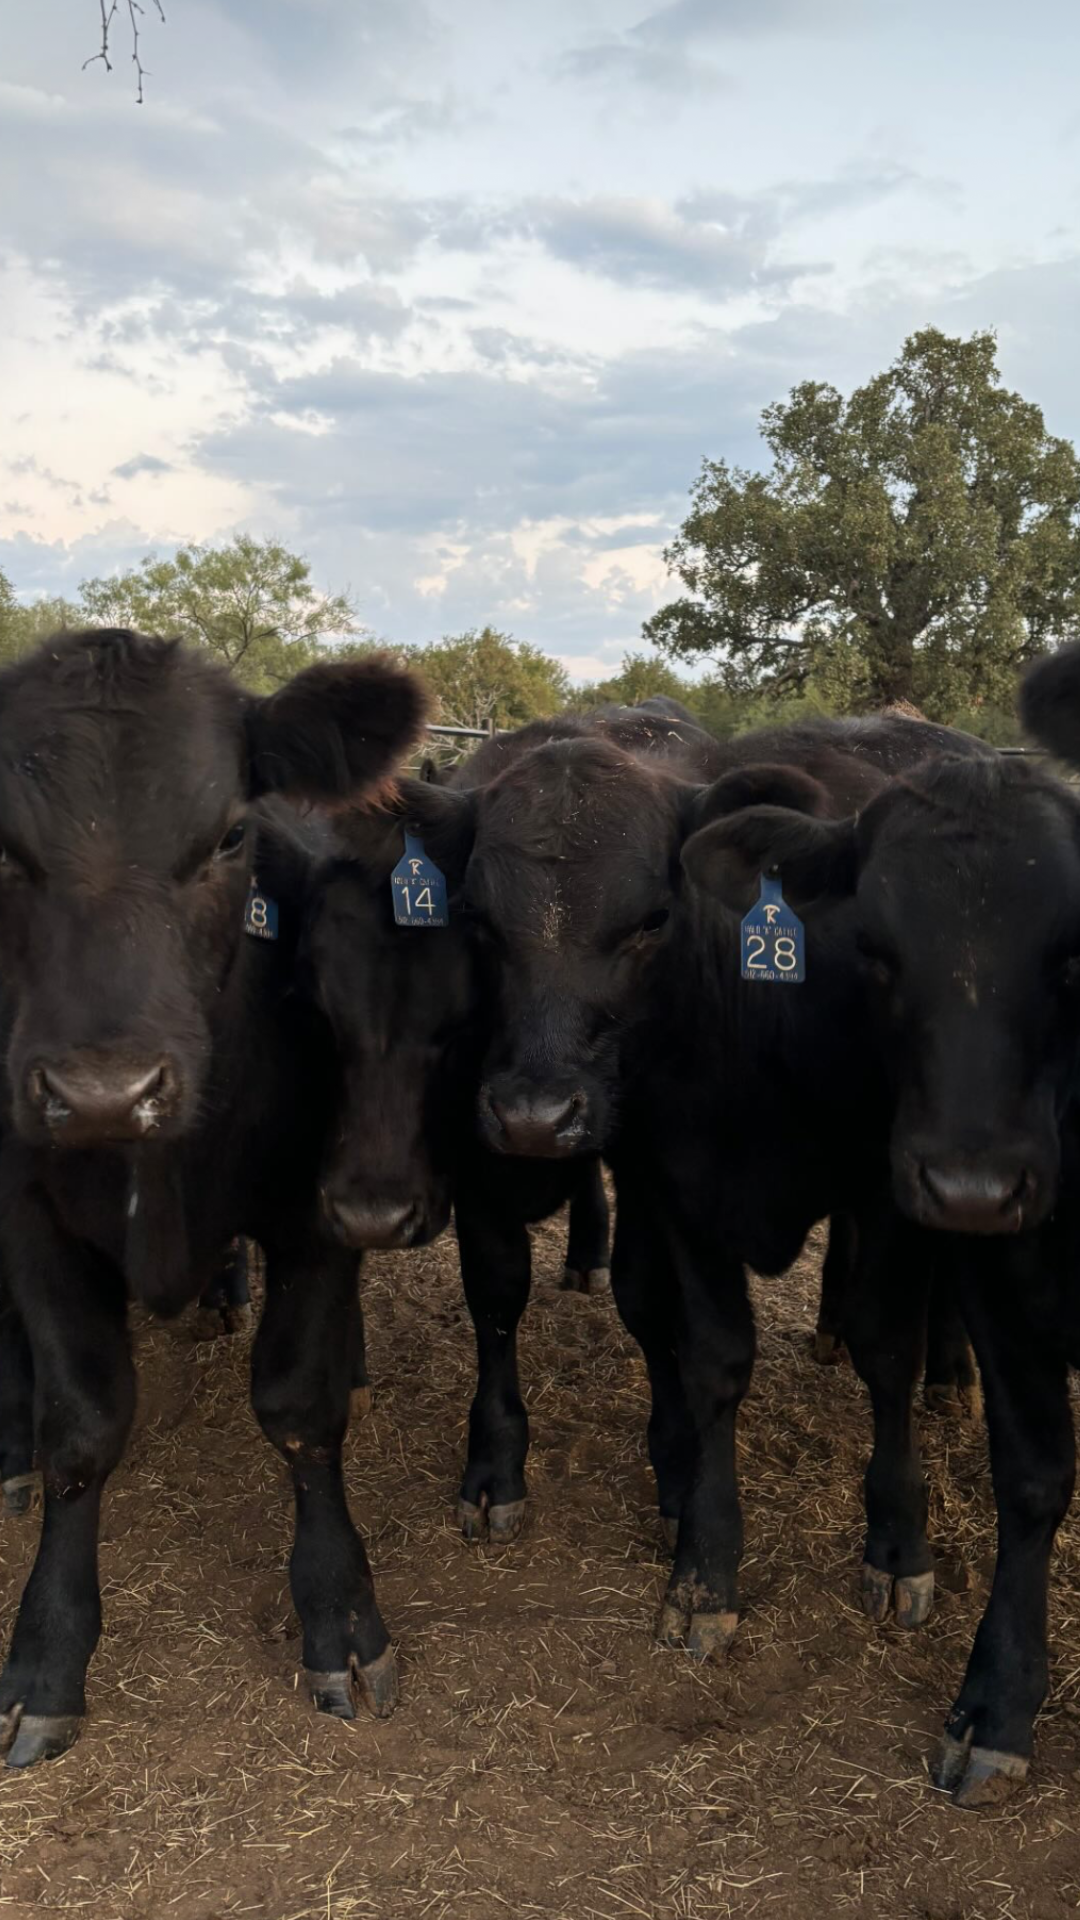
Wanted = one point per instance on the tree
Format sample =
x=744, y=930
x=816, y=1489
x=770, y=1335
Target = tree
x=640, y=677
x=918, y=541
x=485, y=677
x=251, y=602
x=22, y=626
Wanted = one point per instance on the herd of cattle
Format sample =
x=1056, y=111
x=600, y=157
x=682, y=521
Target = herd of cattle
x=254, y=983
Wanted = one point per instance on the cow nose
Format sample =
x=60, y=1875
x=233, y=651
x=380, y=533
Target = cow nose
x=84, y=1102
x=373, y=1223
x=543, y=1127
x=978, y=1198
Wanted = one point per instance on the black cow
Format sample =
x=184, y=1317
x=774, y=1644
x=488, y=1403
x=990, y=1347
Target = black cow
x=165, y=1090
x=734, y=1117
x=963, y=884
x=408, y=1010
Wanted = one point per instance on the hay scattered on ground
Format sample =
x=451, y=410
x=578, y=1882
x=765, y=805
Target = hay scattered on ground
x=547, y=1759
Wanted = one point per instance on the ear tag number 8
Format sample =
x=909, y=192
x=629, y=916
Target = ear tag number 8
x=260, y=914
x=418, y=889
x=772, y=942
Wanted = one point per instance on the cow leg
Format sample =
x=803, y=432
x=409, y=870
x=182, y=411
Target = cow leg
x=643, y=1287
x=951, y=1384
x=496, y=1269
x=885, y=1330
x=225, y=1304
x=17, y=1478
x=359, y=1384
x=75, y=1310
x=715, y=1347
x=989, y=1732
x=587, y=1255
x=301, y=1371
x=836, y=1276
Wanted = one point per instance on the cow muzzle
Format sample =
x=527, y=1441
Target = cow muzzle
x=359, y=1223
x=539, y=1125
x=91, y=1100
x=984, y=1194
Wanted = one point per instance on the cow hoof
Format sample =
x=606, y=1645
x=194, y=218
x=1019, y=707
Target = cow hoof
x=343, y=1694
x=669, y=1527
x=473, y=1521
x=360, y=1403
x=238, y=1319
x=705, y=1636
x=913, y=1599
x=500, y=1524
x=19, y=1491
x=26, y=1738
x=953, y=1402
x=827, y=1348
x=585, y=1280
x=505, y=1522
x=977, y=1777
x=909, y=1595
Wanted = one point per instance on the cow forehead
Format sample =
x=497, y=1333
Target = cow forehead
x=577, y=803
x=1003, y=870
x=148, y=772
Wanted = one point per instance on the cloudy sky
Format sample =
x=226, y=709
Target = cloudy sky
x=453, y=295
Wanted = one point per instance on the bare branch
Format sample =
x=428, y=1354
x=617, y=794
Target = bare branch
x=136, y=12
x=103, y=51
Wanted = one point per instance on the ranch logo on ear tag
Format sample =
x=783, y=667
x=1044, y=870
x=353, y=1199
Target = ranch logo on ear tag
x=260, y=914
x=418, y=889
x=772, y=944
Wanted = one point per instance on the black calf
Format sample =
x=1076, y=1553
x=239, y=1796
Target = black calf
x=130, y=848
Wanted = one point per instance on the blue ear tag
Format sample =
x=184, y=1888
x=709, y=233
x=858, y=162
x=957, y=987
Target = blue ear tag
x=260, y=914
x=418, y=889
x=772, y=944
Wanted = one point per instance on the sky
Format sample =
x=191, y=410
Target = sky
x=454, y=296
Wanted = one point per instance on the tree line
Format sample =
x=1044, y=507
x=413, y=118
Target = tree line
x=917, y=542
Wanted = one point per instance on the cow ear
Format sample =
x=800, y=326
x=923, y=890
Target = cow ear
x=429, y=770
x=442, y=818
x=335, y=730
x=815, y=858
x=760, y=784
x=1050, y=703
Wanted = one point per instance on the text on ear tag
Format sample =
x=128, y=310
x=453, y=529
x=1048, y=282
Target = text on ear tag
x=772, y=943
x=260, y=914
x=418, y=889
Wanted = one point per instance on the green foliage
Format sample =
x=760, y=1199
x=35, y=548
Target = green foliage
x=919, y=541
x=251, y=602
x=483, y=677
x=21, y=627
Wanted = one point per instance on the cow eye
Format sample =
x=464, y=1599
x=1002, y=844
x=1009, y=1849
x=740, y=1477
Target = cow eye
x=878, y=964
x=232, y=841
x=653, y=922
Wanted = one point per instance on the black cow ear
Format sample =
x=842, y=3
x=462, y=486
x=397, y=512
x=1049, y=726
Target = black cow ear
x=429, y=770
x=336, y=729
x=1050, y=703
x=760, y=784
x=443, y=818
x=815, y=858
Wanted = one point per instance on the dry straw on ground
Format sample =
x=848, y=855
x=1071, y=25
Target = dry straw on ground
x=547, y=1759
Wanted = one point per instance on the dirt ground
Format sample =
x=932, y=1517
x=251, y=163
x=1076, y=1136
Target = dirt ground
x=547, y=1758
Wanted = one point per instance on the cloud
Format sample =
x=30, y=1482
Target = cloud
x=694, y=20
x=718, y=245
x=141, y=463
x=627, y=67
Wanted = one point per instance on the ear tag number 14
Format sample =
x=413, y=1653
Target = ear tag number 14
x=772, y=944
x=418, y=889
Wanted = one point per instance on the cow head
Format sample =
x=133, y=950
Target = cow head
x=127, y=770
x=965, y=879
x=566, y=865
x=403, y=1007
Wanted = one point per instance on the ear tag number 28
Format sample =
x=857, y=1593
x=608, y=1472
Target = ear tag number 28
x=418, y=889
x=773, y=945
